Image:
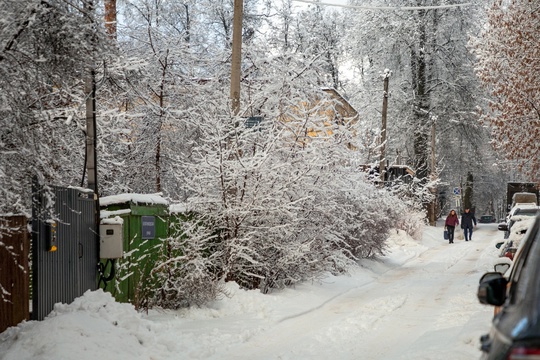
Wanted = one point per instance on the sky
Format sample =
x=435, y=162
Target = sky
x=342, y=4
x=336, y=2
x=416, y=302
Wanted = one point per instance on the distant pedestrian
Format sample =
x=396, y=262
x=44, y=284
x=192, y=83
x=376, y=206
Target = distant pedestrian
x=450, y=224
x=467, y=221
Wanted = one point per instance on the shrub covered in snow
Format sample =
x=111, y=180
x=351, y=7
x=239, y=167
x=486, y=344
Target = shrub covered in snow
x=269, y=209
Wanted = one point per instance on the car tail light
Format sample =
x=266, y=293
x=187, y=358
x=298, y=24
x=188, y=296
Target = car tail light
x=525, y=353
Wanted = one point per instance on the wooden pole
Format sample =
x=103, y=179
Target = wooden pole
x=382, y=166
x=433, y=210
x=91, y=127
x=90, y=93
x=91, y=158
x=236, y=56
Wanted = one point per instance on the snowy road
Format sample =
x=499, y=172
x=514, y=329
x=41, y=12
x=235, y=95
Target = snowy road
x=417, y=302
x=425, y=308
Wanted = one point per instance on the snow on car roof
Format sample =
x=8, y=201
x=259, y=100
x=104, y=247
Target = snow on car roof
x=524, y=209
x=519, y=228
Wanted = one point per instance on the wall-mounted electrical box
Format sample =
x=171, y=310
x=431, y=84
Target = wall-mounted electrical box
x=111, y=241
x=51, y=236
x=148, y=227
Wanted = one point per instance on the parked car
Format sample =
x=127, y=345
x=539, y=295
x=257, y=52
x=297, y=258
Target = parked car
x=509, y=245
x=486, y=219
x=523, y=209
x=517, y=214
x=510, y=252
x=515, y=329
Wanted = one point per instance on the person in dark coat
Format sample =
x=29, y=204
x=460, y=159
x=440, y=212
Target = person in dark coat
x=450, y=224
x=467, y=221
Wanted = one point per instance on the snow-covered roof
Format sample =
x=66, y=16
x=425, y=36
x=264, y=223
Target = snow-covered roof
x=367, y=167
x=341, y=98
x=117, y=220
x=133, y=198
x=104, y=214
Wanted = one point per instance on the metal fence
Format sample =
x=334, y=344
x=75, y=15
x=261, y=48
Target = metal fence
x=64, y=247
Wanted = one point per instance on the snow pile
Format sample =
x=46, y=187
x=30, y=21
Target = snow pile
x=93, y=324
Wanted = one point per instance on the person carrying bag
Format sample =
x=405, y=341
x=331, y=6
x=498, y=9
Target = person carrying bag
x=450, y=224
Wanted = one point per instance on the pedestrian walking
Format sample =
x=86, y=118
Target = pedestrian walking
x=467, y=221
x=450, y=224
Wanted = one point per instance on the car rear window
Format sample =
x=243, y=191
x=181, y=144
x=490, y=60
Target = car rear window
x=526, y=211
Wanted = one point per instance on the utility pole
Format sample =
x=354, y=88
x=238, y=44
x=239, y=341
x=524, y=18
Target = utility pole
x=382, y=165
x=433, y=205
x=236, y=57
x=90, y=94
x=91, y=128
x=91, y=158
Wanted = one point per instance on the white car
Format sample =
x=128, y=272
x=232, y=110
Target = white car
x=523, y=210
x=521, y=223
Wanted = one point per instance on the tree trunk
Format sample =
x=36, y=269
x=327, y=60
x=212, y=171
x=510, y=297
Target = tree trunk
x=421, y=100
x=421, y=106
x=110, y=18
x=468, y=192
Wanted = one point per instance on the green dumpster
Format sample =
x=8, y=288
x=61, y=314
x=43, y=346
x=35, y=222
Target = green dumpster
x=144, y=218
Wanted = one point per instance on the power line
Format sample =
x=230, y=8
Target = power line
x=402, y=8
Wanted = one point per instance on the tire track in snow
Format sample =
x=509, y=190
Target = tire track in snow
x=400, y=306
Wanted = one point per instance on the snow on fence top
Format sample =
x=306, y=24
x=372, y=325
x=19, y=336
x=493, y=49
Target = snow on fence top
x=134, y=198
x=81, y=189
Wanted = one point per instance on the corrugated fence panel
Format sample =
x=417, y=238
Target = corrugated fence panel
x=65, y=273
x=14, y=271
x=89, y=248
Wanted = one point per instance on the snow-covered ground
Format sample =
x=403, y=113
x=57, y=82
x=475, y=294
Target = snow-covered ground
x=418, y=302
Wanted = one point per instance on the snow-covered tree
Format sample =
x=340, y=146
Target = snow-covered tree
x=508, y=53
x=269, y=204
x=47, y=48
x=432, y=86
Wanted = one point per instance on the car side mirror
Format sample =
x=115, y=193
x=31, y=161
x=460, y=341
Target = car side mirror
x=498, y=246
x=489, y=276
x=503, y=227
x=492, y=289
x=501, y=268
